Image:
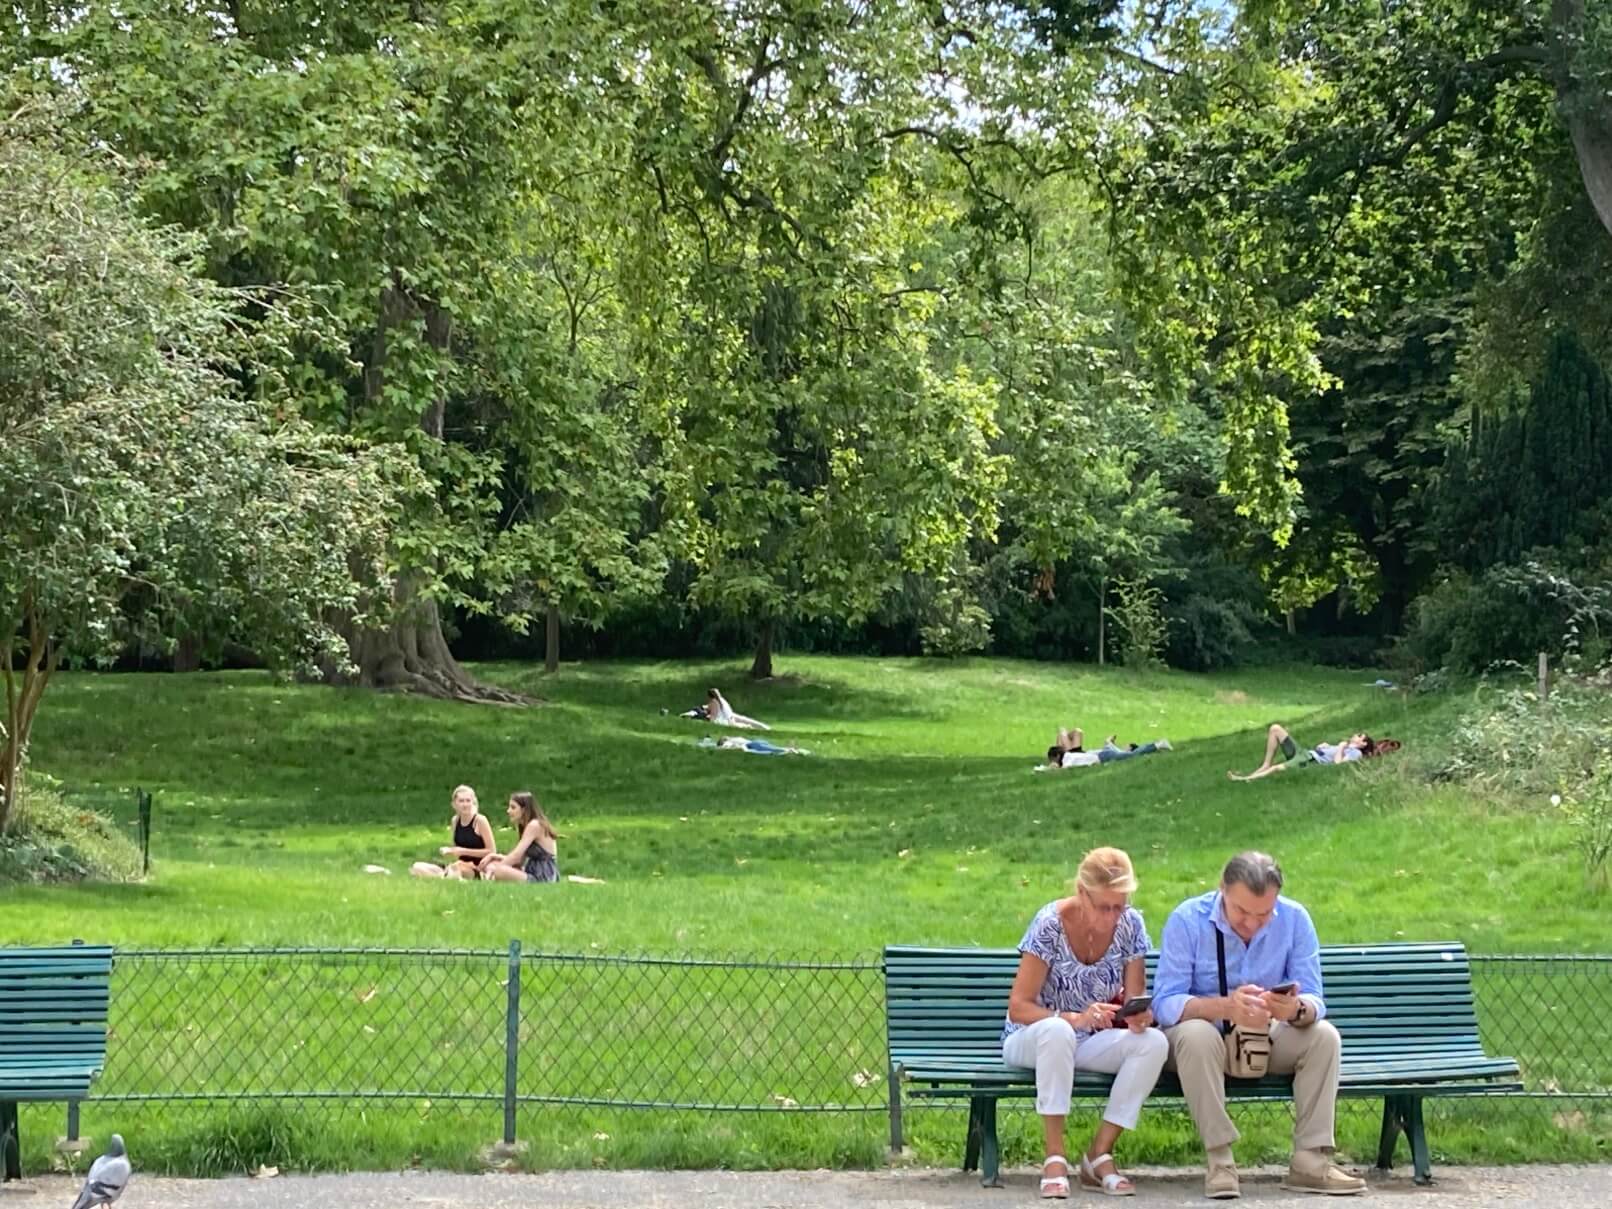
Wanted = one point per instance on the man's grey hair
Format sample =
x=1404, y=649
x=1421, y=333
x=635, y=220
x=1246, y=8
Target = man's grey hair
x=1256, y=870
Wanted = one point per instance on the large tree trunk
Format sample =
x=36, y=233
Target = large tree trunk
x=551, y=640
x=1588, y=115
x=411, y=654
x=1591, y=128
x=761, y=668
x=187, y=653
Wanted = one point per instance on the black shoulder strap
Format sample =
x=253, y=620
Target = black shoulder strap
x=1220, y=960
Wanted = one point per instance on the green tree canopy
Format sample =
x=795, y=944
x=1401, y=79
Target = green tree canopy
x=144, y=488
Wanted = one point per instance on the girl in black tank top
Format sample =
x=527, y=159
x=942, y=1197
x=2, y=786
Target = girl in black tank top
x=472, y=841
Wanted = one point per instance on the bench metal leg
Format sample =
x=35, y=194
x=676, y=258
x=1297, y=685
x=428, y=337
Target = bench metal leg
x=1418, y=1140
x=895, y=1109
x=10, y=1140
x=1393, y=1125
x=1403, y=1114
x=990, y=1157
x=971, y=1141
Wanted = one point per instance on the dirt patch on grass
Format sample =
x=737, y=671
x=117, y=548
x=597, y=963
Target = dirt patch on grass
x=1234, y=696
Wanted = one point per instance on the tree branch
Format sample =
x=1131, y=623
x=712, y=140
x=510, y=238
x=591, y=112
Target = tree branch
x=760, y=67
x=957, y=151
x=1450, y=95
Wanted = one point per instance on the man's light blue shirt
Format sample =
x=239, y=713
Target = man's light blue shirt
x=1286, y=949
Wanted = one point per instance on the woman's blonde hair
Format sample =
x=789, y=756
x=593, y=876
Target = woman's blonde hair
x=1106, y=869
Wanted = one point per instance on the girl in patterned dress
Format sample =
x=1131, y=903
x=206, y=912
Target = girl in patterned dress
x=534, y=856
x=1078, y=955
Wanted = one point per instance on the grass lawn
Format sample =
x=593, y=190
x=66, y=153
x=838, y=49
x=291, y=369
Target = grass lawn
x=916, y=819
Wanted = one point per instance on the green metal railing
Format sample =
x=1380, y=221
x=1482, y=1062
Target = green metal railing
x=522, y=1028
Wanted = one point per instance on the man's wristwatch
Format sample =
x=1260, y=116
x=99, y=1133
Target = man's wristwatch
x=1301, y=1015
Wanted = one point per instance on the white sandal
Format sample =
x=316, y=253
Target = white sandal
x=1112, y=1184
x=1055, y=1187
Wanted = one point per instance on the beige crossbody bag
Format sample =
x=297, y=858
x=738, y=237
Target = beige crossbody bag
x=1248, y=1051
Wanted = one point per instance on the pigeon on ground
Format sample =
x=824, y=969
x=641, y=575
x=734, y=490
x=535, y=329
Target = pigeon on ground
x=108, y=1177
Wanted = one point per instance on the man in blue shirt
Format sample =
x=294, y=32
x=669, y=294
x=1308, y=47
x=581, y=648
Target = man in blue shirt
x=1268, y=942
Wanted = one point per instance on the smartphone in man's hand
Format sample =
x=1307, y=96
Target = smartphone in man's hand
x=1287, y=988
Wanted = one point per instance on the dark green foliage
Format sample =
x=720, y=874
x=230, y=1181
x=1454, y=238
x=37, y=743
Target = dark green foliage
x=1508, y=614
x=1370, y=448
x=1536, y=477
x=1216, y=613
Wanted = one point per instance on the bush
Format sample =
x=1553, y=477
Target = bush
x=1216, y=612
x=1507, y=615
x=1589, y=808
x=1554, y=751
x=1332, y=650
x=50, y=840
x=1511, y=743
x=1208, y=634
x=1138, y=615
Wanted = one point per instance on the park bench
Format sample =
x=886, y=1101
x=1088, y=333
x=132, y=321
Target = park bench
x=1405, y=1012
x=52, y=1031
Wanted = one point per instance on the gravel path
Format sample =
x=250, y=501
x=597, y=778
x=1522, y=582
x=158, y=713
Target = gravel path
x=913, y=1188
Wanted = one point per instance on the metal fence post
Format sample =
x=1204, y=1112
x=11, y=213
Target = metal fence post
x=142, y=805
x=512, y=1038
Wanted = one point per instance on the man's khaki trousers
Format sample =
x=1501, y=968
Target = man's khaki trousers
x=1309, y=1054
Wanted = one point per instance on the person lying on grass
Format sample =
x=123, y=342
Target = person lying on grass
x=534, y=858
x=719, y=711
x=756, y=747
x=472, y=841
x=1070, y=751
x=1359, y=746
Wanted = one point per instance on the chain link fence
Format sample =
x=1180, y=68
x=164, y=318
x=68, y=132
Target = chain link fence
x=495, y=1026
x=427, y=1055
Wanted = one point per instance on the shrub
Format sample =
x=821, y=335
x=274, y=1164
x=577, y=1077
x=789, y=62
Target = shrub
x=1588, y=807
x=1217, y=613
x=1207, y=634
x=1512, y=742
x=1508, y=614
x=1138, y=612
x=51, y=840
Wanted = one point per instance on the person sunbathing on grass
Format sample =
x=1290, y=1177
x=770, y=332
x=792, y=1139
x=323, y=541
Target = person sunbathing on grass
x=535, y=856
x=472, y=841
x=719, y=711
x=756, y=747
x=1359, y=746
x=1070, y=751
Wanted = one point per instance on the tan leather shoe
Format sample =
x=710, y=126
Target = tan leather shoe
x=1331, y=1180
x=1220, y=1182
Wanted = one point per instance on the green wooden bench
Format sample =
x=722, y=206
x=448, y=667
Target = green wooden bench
x=1405, y=1012
x=52, y=1031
